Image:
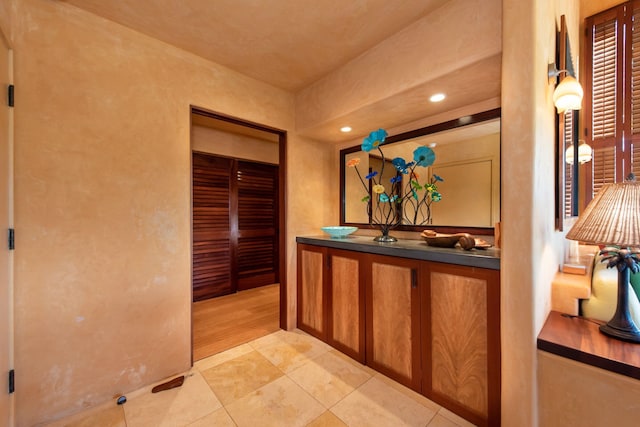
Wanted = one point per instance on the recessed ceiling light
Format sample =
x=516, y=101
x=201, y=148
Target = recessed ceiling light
x=345, y=129
x=437, y=97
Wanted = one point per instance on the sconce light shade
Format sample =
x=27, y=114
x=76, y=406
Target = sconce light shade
x=585, y=153
x=568, y=95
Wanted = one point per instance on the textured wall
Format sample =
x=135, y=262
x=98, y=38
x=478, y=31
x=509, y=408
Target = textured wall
x=103, y=206
x=209, y=140
x=531, y=248
x=573, y=394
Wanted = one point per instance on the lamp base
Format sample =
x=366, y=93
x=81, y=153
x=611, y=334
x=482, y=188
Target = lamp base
x=628, y=333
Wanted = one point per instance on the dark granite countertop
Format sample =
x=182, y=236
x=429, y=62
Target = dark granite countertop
x=414, y=249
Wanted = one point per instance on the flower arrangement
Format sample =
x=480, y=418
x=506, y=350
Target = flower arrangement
x=403, y=197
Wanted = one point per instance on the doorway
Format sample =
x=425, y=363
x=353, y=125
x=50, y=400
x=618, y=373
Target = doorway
x=238, y=239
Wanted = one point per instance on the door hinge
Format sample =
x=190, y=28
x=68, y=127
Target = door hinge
x=10, y=95
x=12, y=381
x=11, y=239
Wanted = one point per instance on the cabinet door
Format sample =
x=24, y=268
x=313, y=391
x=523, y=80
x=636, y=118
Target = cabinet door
x=345, y=303
x=461, y=340
x=311, y=294
x=393, y=319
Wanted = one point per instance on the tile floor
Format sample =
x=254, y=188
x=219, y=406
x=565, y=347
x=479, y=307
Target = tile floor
x=283, y=379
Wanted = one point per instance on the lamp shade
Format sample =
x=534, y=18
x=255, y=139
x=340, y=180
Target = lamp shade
x=611, y=218
x=568, y=95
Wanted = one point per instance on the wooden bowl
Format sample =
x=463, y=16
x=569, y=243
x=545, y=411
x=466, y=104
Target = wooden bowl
x=442, y=240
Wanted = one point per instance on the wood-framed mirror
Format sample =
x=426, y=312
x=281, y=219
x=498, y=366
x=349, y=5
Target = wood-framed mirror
x=467, y=153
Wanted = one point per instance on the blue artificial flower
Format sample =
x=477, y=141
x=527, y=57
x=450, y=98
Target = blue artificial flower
x=384, y=198
x=375, y=139
x=438, y=178
x=371, y=175
x=395, y=179
x=399, y=164
x=394, y=198
x=424, y=156
x=436, y=197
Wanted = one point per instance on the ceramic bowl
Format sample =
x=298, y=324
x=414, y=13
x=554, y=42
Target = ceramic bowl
x=338, y=232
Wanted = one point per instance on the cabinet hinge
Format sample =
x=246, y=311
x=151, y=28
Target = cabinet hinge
x=12, y=381
x=414, y=278
x=11, y=239
x=10, y=95
x=329, y=262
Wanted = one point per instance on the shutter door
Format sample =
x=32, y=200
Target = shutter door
x=635, y=92
x=212, y=270
x=603, y=167
x=603, y=82
x=257, y=224
x=603, y=119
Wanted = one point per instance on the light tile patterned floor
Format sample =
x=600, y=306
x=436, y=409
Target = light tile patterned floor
x=283, y=379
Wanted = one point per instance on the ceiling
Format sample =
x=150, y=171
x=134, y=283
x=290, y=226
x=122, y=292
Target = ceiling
x=288, y=44
x=292, y=44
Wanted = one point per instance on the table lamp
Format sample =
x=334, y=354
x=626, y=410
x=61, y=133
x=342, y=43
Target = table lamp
x=612, y=219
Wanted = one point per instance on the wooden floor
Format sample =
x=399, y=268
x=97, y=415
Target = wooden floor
x=228, y=321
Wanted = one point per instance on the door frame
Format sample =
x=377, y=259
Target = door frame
x=7, y=402
x=282, y=163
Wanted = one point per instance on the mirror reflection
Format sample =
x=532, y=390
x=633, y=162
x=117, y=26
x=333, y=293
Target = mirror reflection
x=465, y=178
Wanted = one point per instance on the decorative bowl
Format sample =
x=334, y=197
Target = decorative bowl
x=442, y=240
x=338, y=231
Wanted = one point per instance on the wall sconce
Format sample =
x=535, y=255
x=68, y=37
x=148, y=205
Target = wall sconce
x=568, y=94
x=585, y=153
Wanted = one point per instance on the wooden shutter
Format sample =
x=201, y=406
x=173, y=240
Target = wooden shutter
x=568, y=129
x=235, y=225
x=603, y=167
x=613, y=88
x=603, y=81
x=211, y=230
x=257, y=224
x=604, y=110
x=635, y=92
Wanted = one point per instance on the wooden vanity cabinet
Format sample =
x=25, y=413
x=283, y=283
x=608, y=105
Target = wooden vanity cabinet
x=345, y=302
x=460, y=308
x=432, y=326
x=311, y=301
x=393, y=318
x=330, y=298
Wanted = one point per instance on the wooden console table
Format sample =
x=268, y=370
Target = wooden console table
x=579, y=339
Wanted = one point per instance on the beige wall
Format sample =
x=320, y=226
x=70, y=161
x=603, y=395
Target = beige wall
x=209, y=140
x=573, y=394
x=102, y=197
x=103, y=207
x=531, y=248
